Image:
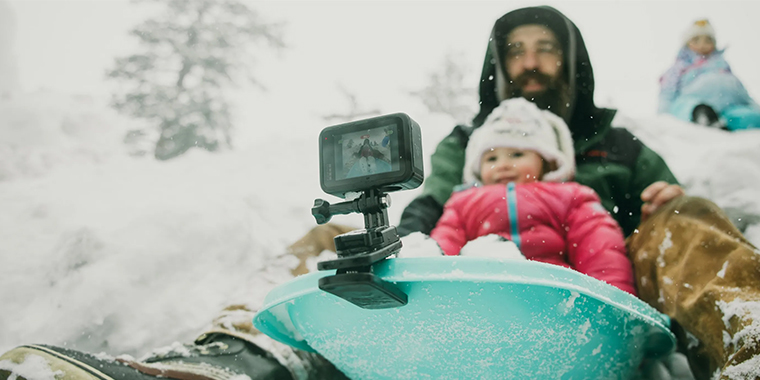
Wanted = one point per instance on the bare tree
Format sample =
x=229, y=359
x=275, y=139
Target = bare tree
x=446, y=92
x=355, y=111
x=189, y=55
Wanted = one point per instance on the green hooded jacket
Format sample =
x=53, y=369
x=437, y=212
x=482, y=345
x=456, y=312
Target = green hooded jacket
x=610, y=160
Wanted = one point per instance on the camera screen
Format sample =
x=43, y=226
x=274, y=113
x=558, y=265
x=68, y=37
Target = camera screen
x=367, y=152
x=382, y=152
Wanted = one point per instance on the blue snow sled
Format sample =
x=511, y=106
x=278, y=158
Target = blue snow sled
x=473, y=318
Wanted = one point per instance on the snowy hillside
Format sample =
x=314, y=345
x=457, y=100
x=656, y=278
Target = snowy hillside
x=100, y=251
x=720, y=166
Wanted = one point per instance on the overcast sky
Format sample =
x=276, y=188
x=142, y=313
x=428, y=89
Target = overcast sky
x=379, y=49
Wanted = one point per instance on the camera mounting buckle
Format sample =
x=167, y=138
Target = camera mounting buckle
x=359, y=250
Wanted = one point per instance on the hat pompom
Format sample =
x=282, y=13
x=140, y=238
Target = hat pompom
x=699, y=28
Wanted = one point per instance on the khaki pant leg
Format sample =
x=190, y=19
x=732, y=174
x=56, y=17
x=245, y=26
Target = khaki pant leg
x=692, y=264
x=237, y=320
x=318, y=239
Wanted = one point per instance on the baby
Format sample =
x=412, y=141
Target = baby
x=517, y=163
x=701, y=88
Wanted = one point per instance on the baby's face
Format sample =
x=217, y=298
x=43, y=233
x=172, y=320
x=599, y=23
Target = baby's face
x=503, y=165
x=702, y=45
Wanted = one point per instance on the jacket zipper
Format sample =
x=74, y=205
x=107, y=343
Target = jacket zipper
x=512, y=206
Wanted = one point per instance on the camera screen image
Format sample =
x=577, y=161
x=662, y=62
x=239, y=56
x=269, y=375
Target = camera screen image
x=367, y=152
x=382, y=152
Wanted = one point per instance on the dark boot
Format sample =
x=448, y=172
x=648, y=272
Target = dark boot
x=220, y=357
x=705, y=115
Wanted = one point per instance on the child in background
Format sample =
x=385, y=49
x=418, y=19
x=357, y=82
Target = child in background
x=518, y=161
x=701, y=88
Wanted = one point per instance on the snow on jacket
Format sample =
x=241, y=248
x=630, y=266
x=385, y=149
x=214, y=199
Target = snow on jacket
x=557, y=223
x=708, y=78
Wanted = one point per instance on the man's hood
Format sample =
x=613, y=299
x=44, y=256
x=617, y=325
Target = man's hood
x=577, y=66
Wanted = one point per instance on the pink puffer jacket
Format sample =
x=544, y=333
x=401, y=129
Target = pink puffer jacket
x=558, y=223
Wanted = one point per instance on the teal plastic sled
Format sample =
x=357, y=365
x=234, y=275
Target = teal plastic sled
x=473, y=318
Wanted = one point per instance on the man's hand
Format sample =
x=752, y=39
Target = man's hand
x=656, y=195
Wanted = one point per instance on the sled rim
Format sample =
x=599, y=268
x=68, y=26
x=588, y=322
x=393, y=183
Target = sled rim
x=271, y=321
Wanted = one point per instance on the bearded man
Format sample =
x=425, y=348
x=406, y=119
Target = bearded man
x=684, y=243
x=539, y=54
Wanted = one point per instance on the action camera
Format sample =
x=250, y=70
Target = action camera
x=369, y=158
x=382, y=153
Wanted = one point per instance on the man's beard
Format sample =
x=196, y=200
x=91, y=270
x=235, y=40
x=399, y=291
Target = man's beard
x=555, y=97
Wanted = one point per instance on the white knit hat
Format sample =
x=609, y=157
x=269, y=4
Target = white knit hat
x=518, y=123
x=698, y=28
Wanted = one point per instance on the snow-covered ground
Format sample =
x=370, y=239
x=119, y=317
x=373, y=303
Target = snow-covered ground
x=104, y=252
x=100, y=251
